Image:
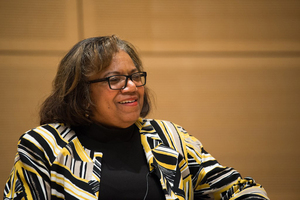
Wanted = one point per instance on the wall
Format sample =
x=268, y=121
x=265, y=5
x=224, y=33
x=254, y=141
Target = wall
x=228, y=72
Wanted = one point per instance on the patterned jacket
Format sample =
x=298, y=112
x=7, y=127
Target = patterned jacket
x=51, y=163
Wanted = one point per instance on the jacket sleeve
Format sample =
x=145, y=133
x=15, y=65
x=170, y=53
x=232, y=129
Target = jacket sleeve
x=214, y=181
x=29, y=178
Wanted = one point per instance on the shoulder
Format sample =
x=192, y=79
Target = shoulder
x=48, y=138
x=57, y=132
x=171, y=133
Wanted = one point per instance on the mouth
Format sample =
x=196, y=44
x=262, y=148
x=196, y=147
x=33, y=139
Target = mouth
x=128, y=101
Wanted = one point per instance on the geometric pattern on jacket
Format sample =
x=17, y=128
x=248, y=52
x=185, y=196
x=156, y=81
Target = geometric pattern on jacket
x=51, y=163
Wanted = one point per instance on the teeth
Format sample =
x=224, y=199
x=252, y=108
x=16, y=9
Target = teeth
x=127, y=101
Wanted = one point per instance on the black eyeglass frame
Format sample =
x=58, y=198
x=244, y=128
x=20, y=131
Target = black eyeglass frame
x=142, y=74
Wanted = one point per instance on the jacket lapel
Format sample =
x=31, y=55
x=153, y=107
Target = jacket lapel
x=163, y=161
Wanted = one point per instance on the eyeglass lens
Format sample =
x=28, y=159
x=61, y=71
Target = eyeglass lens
x=120, y=81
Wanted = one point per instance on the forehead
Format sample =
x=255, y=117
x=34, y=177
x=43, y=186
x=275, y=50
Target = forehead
x=121, y=63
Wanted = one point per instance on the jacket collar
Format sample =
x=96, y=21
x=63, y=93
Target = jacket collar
x=162, y=160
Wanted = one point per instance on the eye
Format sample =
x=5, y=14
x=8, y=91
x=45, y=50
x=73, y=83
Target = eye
x=136, y=77
x=115, y=79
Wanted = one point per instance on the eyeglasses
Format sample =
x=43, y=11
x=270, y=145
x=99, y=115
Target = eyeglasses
x=118, y=82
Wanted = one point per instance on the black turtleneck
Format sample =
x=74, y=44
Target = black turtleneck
x=124, y=171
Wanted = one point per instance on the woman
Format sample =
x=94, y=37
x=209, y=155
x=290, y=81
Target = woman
x=94, y=142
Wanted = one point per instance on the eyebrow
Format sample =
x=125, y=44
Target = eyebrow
x=118, y=73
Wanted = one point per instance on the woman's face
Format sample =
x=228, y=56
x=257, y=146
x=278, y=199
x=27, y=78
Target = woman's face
x=116, y=108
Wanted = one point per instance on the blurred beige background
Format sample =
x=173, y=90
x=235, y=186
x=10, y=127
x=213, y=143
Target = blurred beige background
x=227, y=71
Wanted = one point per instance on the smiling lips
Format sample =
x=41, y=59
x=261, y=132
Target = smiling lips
x=128, y=101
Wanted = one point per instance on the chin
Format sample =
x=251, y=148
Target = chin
x=130, y=120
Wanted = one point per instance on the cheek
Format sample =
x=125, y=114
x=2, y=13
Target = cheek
x=102, y=100
x=142, y=94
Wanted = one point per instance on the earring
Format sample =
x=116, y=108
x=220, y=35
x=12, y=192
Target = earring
x=87, y=111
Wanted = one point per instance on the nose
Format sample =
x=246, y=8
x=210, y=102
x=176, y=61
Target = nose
x=130, y=86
